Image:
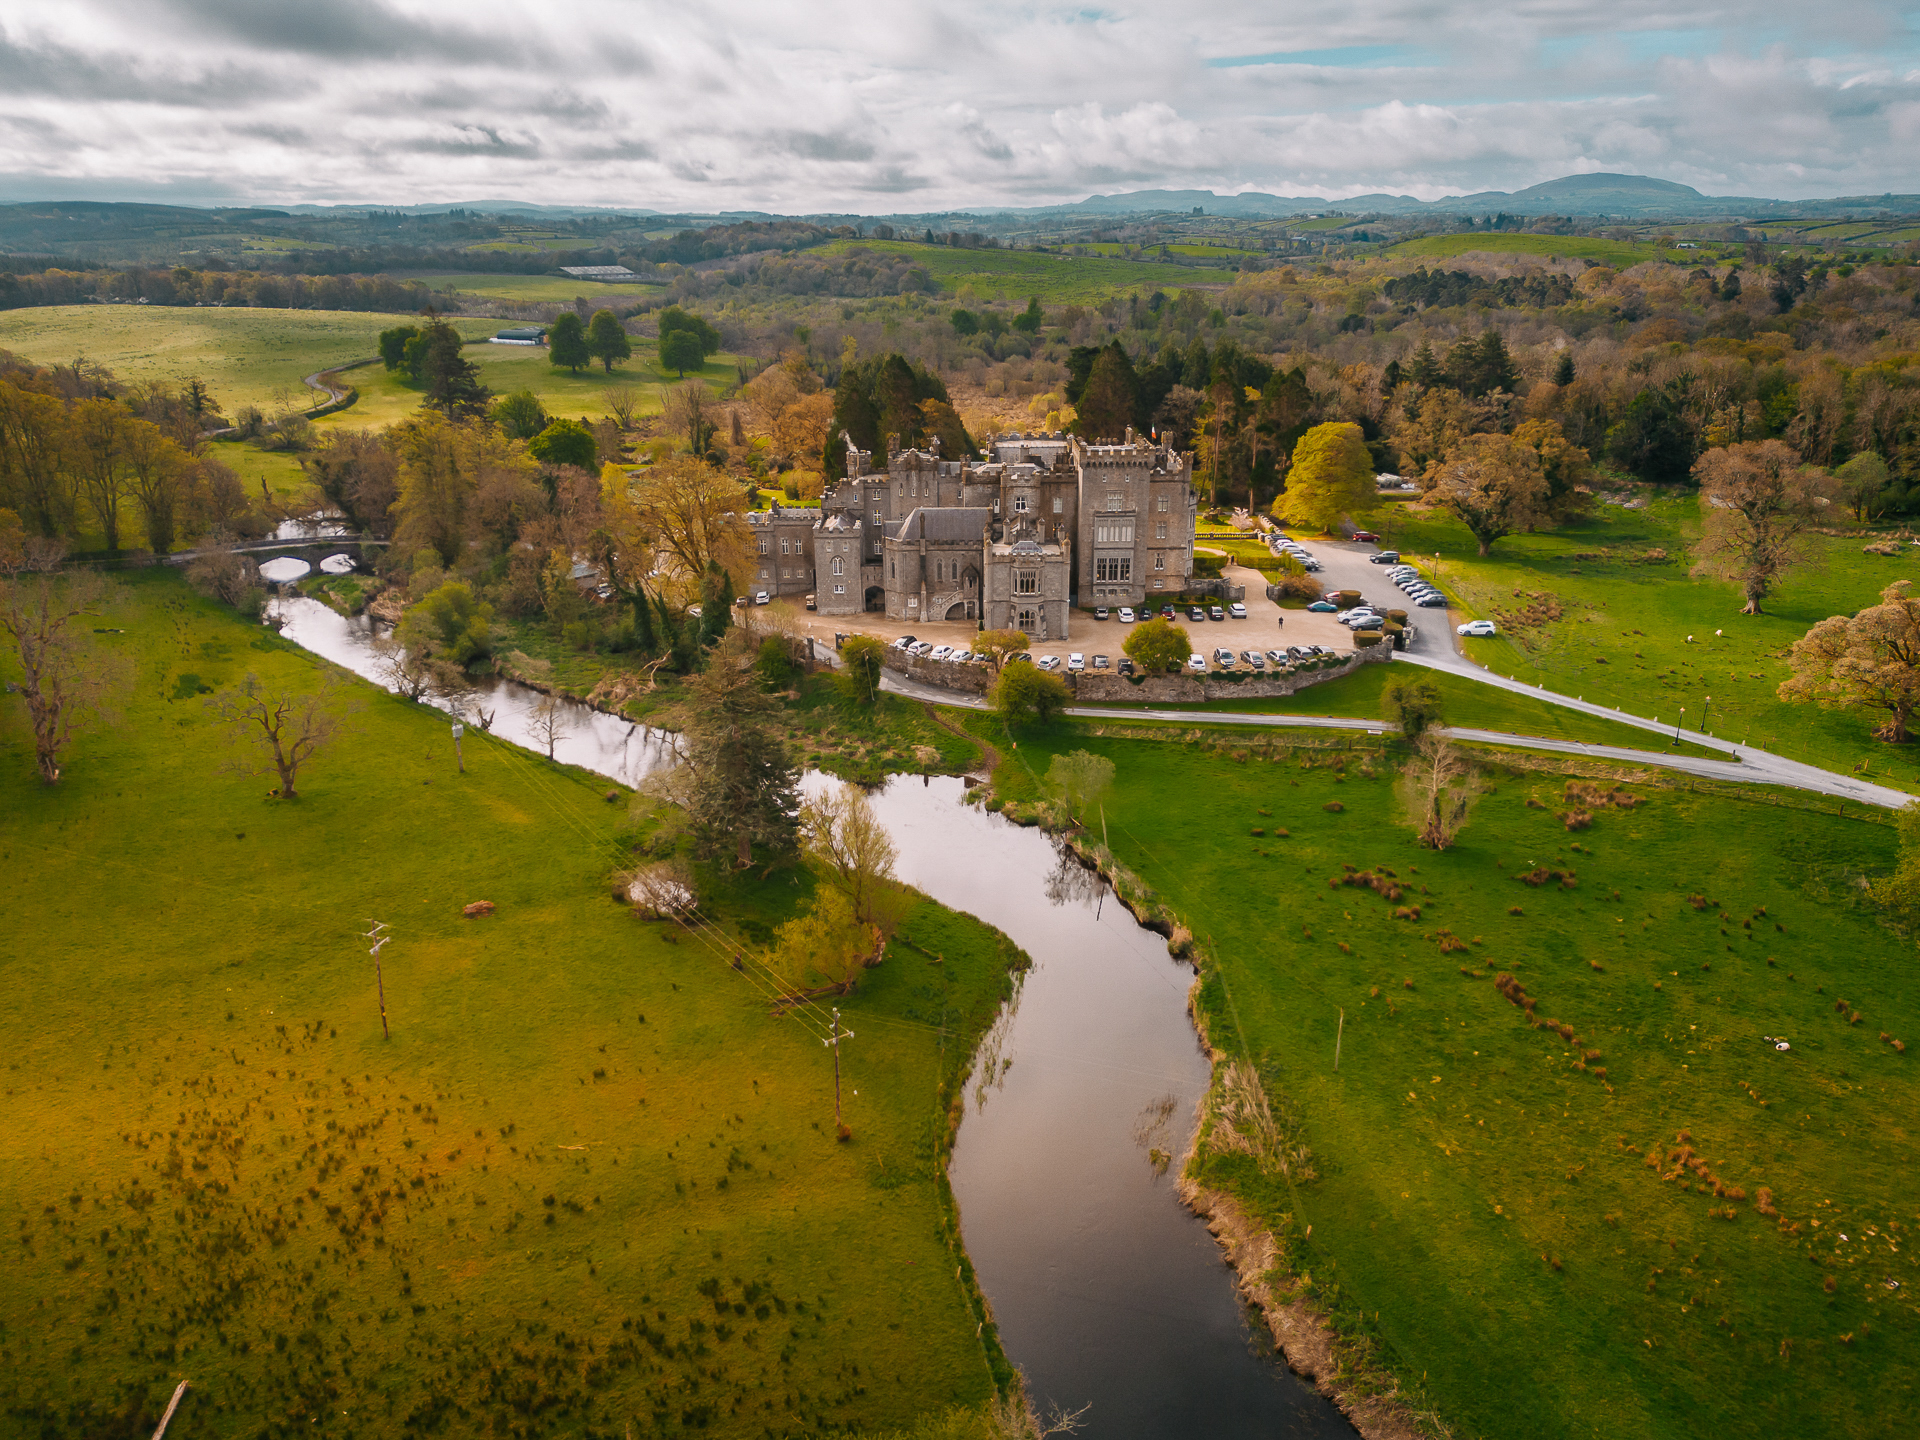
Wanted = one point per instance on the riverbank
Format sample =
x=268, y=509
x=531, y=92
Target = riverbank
x=1495, y=1214
x=589, y=1181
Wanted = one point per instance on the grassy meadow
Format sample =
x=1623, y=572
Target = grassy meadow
x=246, y=356
x=1621, y=254
x=1604, y=608
x=387, y=397
x=1505, y=1216
x=534, y=289
x=589, y=1185
x=1017, y=274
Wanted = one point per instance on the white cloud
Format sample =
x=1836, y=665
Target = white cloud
x=913, y=106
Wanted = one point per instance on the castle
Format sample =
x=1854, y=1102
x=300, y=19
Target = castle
x=1047, y=522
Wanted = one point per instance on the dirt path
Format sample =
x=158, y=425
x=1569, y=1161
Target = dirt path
x=989, y=757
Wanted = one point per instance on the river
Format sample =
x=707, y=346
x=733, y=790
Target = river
x=1108, y=1292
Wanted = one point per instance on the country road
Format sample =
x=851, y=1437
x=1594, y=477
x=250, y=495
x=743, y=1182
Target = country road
x=1745, y=764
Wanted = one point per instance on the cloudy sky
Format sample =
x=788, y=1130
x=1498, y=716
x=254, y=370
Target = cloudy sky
x=908, y=106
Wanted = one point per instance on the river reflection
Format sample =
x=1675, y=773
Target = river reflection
x=1109, y=1293
x=1106, y=1289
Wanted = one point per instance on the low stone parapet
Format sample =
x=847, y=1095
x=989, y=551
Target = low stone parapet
x=1195, y=689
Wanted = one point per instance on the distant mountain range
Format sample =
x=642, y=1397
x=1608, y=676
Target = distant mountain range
x=1626, y=196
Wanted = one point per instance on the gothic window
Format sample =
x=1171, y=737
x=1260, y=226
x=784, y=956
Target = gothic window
x=1113, y=567
x=1026, y=582
x=1115, y=501
x=1159, y=529
x=1159, y=562
x=1161, y=504
x=892, y=574
x=1019, y=504
x=839, y=566
x=1059, y=505
x=1026, y=621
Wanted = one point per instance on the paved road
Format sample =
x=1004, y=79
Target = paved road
x=1745, y=765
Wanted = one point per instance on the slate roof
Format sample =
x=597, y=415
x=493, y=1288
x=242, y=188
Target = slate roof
x=946, y=523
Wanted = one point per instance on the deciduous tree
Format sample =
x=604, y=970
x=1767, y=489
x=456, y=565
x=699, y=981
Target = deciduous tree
x=1415, y=705
x=1869, y=661
x=567, y=343
x=451, y=624
x=564, y=442
x=520, y=415
x=1438, y=789
x=66, y=679
x=1494, y=486
x=845, y=842
x=278, y=731
x=1081, y=779
x=1158, y=646
x=607, y=340
x=689, y=514
x=1026, y=695
x=862, y=660
x=1331, y=478
x=996, y=645
x=1758, y=507
x=680, y=352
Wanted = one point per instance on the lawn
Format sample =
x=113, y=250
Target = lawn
x=246, y=356
x=1467, y=703
x=386, y=397
x=536, y=289
x=589, y=1184
x=1605, y=609
x=1504, y=1219
x=1017, y=274
x=1620, y=254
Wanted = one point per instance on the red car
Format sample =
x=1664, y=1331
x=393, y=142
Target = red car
x=1366, y=537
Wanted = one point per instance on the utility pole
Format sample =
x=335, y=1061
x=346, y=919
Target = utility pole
x=834, y=1037
x=379, y=980
x=458, y=758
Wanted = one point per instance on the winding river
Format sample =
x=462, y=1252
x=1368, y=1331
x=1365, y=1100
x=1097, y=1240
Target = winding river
x=1109, y=1293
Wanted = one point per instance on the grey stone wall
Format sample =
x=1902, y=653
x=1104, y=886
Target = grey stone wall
x=1104, y=689
x=972, y=679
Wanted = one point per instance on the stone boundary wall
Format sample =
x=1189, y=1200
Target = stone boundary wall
x=1111, y=689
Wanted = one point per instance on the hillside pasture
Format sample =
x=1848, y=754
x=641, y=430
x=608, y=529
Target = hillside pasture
x=1017, y=274
x=1620, y=254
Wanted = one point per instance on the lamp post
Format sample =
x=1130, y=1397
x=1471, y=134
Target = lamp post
x=1703, y=714
x=1678, y=724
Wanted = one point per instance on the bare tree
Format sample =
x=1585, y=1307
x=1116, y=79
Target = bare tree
x=409, y=669
x=621, y=401
x=686, y=409
x=222, y=573
x=1439, y=788
x=282, y=730
x=1759, y=505
x=65, y=678
x=548, y=723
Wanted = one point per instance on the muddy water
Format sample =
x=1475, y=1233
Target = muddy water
x=1107, y=1290
x=1109, y=1294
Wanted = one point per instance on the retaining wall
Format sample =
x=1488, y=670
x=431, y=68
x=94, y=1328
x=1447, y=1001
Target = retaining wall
x=1103, y=689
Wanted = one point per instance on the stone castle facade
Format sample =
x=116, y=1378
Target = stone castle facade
x=1015, y=541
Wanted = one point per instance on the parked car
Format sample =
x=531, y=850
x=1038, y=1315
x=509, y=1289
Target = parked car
x=1167, y=612
x=1366, y=537
x=1477, y=627
x=1214, y=612
x=961, y=657
x=1237, y=610
x=1196, y=614
x=1126, y=615
x=1026, y=655
x=1278, y=657
x=1047, y=662
x=1100, y=612
x=1126, y=666
x=1323, y=607
x=1384, y=557
x=761, y=597
x=940, y=652
x=1432, y=602
x=1255, y=659
x=1196, y=661
x=813, y=602
x=1100, y=662
x=1309, y=564
x=904, y=642
x=1076, y=662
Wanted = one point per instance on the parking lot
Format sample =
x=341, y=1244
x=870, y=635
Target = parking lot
x=1267, y=626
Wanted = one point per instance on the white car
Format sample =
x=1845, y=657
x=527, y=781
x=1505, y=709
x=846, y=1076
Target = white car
x=920, y=649
x=1076, y=662
x=940, y=652
x=1477, y=627
x=1047, y=662
x=761, y=598
x=1126, y=615
x=1237, y=610
x=1196, y=661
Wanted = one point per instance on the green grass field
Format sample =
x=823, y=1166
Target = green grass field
x=535, y=289
x=1113, y=247
x=590, y=1183
x=1588, y=610
x=1056, y=279
x=247, y=357
x=1620, y=254
x=1468, y=703
x=386, y=397
x=1502, y=1218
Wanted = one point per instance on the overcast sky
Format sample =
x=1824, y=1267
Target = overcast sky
x=901, y=105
